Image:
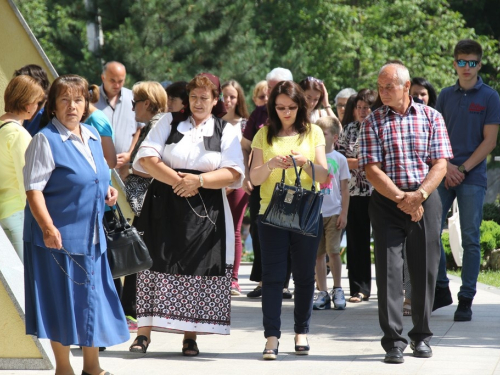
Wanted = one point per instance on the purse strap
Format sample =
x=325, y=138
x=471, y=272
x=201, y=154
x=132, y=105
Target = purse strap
x=120, y=219
x=298, y=173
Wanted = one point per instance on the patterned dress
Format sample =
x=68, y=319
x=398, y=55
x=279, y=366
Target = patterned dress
x=191, y=240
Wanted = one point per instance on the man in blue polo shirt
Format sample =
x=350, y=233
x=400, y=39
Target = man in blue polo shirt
x=471, y=111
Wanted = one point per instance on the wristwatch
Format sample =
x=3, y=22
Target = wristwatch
x=463, y=170
x=425, y=195
x=201, y=180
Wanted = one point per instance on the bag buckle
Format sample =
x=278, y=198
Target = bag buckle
x=289, y=196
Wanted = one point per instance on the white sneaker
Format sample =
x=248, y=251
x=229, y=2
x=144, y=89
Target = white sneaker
x=338, y=299
x=322, y=301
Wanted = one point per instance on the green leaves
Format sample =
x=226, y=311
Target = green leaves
x=343, y=42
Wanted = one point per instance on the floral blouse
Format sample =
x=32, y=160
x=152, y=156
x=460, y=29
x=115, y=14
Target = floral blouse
x=348, y=146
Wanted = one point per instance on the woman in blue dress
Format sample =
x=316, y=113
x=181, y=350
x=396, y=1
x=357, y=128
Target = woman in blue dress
x=70, y=295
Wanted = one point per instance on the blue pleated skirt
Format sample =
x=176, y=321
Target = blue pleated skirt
x=59, y=309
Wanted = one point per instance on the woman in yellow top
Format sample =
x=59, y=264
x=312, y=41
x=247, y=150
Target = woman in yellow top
x=288, y=133
x=22, y=98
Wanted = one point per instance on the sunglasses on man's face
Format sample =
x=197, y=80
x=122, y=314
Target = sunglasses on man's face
x=472, y=63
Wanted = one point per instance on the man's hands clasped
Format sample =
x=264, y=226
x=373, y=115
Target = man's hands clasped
x=411, y=204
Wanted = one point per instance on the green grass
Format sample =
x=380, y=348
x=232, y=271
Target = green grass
x=485, y=277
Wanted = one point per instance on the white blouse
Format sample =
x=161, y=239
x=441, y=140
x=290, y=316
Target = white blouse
x=189, y=152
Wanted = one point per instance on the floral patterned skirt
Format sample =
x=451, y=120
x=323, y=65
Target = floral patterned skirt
x=178, y=303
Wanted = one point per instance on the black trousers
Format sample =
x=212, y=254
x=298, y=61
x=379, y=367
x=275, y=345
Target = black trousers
x=254, y=207
x=391, y=227
x=277, y=245
x=358, y=246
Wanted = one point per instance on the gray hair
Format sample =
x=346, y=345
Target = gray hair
x=279, y=74
x=402, y=72
x=345, y=93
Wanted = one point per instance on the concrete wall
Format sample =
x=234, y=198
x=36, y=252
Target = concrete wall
x=19, y=47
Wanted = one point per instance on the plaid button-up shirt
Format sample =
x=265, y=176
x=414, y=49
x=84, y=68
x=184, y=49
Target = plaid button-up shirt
x=404, y=144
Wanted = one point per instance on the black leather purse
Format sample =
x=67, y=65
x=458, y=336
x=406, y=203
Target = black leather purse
x=294, y=208
x=127, y=252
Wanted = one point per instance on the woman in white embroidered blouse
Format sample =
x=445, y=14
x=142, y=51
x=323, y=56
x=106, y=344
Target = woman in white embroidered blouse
x=186, y=220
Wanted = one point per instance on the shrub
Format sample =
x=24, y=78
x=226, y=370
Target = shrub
x=490, y=238
x=491, y=211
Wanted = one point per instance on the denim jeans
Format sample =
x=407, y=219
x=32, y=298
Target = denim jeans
x=470, y=205
x=276, y=244
x=13, y=226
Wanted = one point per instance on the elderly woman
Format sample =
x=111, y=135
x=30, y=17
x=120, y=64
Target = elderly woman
x=188, y=228
x=288, y=134
x=22, y=97
x=316, y=96
x=149, y=105
x=358, y=223
x=70, y=296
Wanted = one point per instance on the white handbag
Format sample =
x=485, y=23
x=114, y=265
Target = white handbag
x=455, y=234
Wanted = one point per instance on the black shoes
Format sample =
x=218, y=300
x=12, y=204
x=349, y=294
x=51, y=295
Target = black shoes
x=256, y=293
x=421, y=349
x=442, y=298
x=302, y=349
x=287, y=294
x=270, y=353
x=464, y=312
x=395, y=355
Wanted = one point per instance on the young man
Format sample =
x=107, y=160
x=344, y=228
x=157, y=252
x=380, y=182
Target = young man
x=471, y=111
x=335, y=207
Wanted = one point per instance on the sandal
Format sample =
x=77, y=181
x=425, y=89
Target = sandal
x=302, y=349
x=359, y=297
x=138, y=346
x=406, y=309
x=270, y=353
x=191, y=347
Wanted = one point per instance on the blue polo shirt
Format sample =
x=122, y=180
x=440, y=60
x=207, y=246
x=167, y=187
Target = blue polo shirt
x=465, y=113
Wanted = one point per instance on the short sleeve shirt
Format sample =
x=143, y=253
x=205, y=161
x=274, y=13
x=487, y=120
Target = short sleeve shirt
x=122, y=118
x=284, y=146
x=465, y=114
x=338, y=171
x=256, y=121
x=404, y=144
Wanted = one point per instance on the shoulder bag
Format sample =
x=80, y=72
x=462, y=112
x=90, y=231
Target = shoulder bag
x=294, y=208
x=127, y=252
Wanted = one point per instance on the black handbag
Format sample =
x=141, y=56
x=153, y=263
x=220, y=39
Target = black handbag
x=127, y=252
x=294, y=208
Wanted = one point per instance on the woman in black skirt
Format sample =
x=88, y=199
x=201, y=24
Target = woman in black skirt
x=186, y=220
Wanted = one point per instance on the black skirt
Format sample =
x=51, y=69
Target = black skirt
x=179, y=236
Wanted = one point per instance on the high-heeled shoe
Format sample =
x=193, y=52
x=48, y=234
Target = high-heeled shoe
x=302, y=349
x=270, y=353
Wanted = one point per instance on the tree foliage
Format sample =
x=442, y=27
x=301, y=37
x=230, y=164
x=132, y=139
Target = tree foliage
x=343, y=42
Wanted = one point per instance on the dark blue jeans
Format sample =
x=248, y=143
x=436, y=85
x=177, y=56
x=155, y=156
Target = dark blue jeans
x=470, y=204
x=275, y=244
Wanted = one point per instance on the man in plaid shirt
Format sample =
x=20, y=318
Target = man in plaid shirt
x=404, y=148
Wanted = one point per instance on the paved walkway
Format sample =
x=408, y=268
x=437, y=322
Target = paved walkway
x=342, y=342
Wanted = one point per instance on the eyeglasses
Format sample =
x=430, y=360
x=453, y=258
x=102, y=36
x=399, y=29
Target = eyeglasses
x=262, y=97
x=340, y=106
x=314, y=79
x=472, y=63
x=362, y=108
x=290, y=109
x=134, y=102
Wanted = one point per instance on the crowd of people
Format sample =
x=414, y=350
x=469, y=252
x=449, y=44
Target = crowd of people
x=193, y=160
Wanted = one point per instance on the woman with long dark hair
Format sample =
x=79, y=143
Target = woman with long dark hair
x=358, y=223
x=288, y=134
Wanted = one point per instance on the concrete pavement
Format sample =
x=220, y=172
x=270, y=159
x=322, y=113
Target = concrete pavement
x=342, y=342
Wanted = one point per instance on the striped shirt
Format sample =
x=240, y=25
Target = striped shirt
x=404, y=144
